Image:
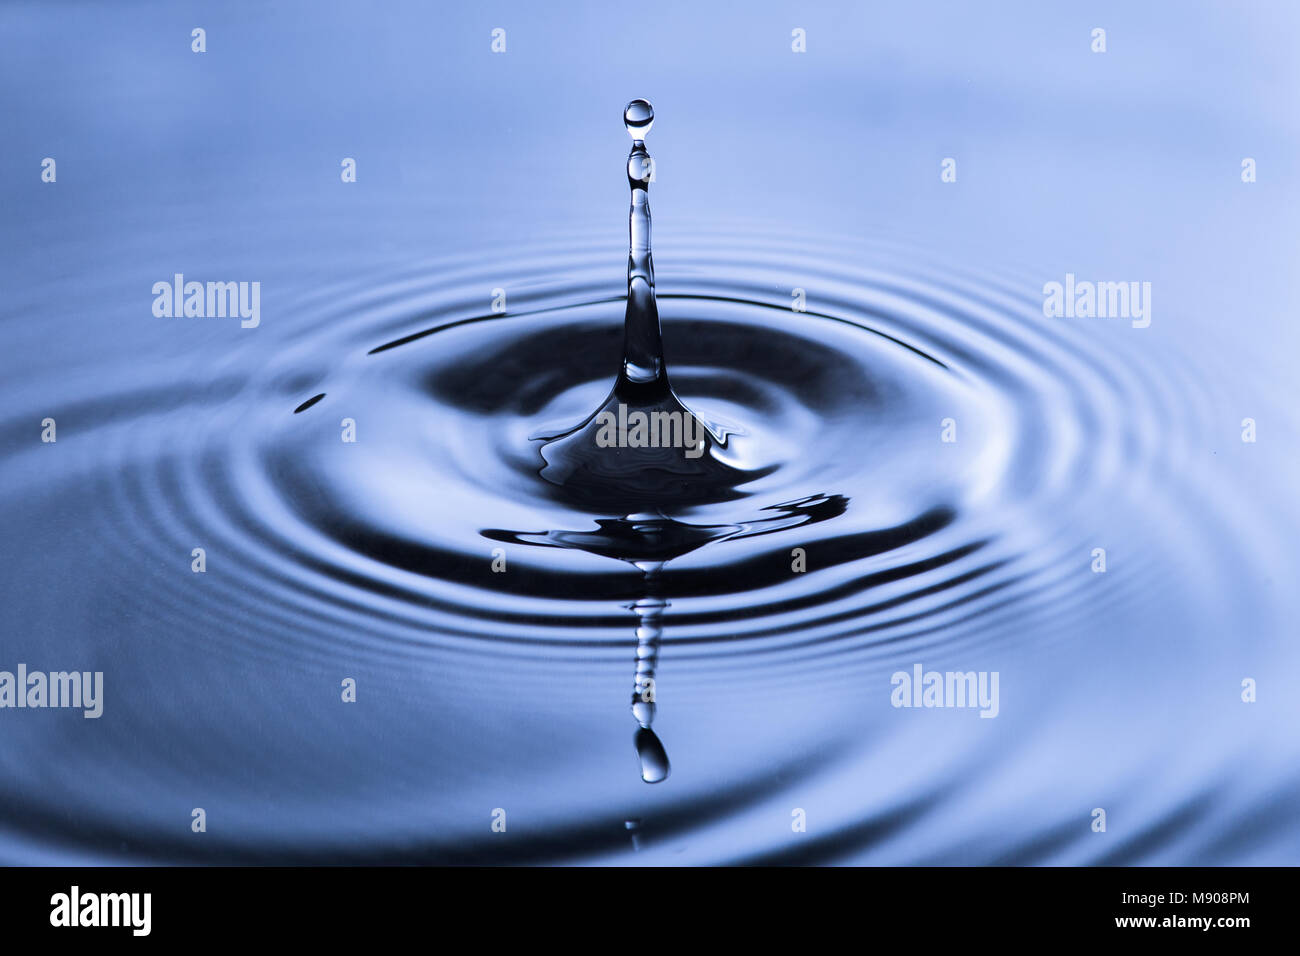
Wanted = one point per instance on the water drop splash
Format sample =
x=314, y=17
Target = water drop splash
x=642, y=449
x=636, y=483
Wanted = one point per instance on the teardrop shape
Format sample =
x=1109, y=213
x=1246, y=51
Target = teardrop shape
x=654, y=759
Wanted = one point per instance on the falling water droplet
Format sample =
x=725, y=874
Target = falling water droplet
x=638, y=117
x=654, y=761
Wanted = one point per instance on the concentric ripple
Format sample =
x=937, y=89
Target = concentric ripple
x=934, y=464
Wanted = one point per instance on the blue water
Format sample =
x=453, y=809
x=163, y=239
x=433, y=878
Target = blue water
x=480, y=691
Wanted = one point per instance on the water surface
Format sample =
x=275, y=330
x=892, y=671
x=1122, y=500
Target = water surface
x=373, y=559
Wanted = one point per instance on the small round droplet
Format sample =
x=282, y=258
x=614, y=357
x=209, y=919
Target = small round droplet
x=638, y=117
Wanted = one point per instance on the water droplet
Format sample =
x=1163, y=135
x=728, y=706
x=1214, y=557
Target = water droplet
x=654, y=761
x=638, y=117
